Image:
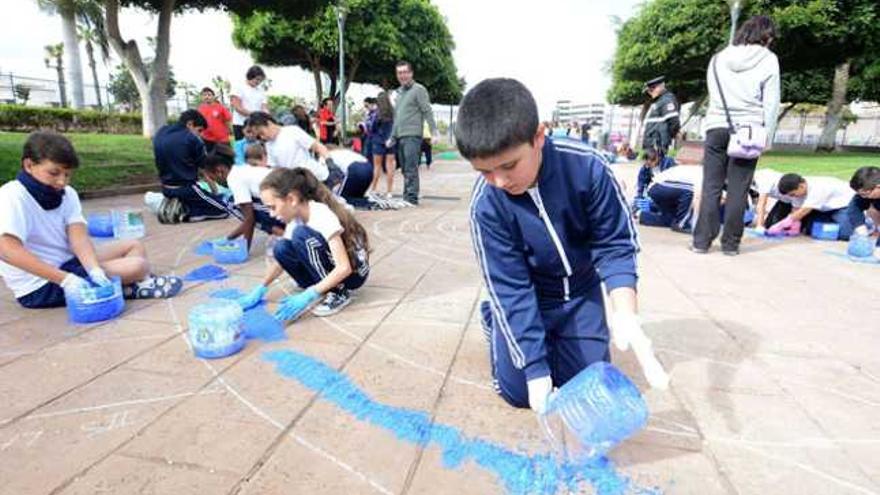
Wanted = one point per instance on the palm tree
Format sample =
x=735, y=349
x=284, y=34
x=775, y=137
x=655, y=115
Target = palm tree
x=67, y=9
x=56, y=53
x=92, y=33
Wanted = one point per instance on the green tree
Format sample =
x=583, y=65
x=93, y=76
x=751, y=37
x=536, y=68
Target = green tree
x=152, y=84
x=821, y=43
x=377, y=34
x=67, y=10
x=125, y=91
x=55, y=54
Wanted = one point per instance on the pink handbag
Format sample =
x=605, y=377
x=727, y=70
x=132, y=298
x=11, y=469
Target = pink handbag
x=747, y=141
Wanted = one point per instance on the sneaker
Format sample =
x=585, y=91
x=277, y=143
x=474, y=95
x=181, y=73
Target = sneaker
x=388, y=196
x=153, y=287
x=730, y=252
x=408, y=204
x=333, y=303
x=695, y=249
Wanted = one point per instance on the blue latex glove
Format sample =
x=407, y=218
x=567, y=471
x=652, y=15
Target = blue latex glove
x=292, y=306
x=253, y=298
x=98, y=277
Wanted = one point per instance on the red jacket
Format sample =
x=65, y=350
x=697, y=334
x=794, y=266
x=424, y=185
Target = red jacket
x=325, y=115
x=218, y=117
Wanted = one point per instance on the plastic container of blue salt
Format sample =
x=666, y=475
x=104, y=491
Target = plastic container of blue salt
x=215, y=329
x=128, y=224
x=230, y=251
x=825, y=231
x=95, y=303
x=860, y=246
x=594, y=411
x=100, y=224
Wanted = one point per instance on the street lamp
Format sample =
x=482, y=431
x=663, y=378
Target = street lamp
x=341, y=11
x=735, y=8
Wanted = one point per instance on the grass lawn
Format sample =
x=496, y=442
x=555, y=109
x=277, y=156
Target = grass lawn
x=840, y=164
x=105, y=159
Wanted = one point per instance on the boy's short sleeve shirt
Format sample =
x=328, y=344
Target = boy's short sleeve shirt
x=43, y=233
x=252, y=99
x=827, y=193
x=321, y=218
x=244, y=182
x=290, y=149
x=767, y=182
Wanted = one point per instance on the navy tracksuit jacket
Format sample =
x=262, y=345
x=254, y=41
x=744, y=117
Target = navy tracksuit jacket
x=543, y=255
x=646, y=175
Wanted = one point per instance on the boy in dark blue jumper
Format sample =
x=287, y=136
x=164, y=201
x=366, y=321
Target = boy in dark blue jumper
x=179, y=153
x=654, y=163
x=866, y=203
x=549, y=225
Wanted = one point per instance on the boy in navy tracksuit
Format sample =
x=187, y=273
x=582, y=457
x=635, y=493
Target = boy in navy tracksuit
x=866, y=202
x=549, y=225
x=654, y=163
x=179, y=153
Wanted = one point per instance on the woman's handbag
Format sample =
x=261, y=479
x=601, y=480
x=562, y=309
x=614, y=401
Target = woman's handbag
x=747, y=141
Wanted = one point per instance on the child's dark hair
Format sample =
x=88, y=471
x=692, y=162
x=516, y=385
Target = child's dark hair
x=254, y=72
x=283, y=181
x=758, y=30
x=789, y=182
x=206, y=89
x=193, y=116
x=865, y=178
x=494, y=116
x=651, y=155
x=259, y=119
x=48, y=145
x=215, y=160
x=254, y=152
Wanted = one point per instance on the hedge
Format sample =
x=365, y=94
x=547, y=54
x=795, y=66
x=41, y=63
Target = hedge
x=25, y=119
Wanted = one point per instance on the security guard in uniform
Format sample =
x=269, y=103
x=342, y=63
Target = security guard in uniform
x=661, y=122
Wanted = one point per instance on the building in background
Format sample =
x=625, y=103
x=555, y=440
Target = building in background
x=567, y=111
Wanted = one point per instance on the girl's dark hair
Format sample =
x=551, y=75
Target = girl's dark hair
x=283, y=181
x=386, y=111
x=865, y=178
x=254, y=72
x=48, y=145
x=758, y=30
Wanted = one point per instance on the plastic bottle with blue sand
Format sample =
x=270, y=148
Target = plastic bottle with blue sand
x=128, y=224
x=215, y=329
x=593, y=412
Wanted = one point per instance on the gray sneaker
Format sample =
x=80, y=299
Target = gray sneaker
x=333, y=303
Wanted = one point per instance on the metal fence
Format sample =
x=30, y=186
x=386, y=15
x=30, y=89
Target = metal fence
x=47, y=93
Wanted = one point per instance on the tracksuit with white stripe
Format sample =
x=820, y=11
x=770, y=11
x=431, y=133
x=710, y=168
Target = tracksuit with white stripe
x=543, y=256
x=672, y=194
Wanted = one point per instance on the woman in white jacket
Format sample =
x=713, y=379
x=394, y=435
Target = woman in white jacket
x=748, y=73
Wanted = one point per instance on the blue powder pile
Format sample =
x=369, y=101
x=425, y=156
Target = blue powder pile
x=518, y=472
x=206, y=248
x=206, y=272
x=258, y=323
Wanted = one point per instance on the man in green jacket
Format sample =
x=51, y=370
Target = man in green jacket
x=411, y=110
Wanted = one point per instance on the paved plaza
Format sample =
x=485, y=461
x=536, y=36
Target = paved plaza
x=773, y=357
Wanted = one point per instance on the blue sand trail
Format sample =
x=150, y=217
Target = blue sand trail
x=206, y=248
x=258, y=323
x=518, y=472
x=206, y=272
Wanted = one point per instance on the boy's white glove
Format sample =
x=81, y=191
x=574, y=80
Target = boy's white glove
x=98, y=277
x=73, y=283
x=760, y=230
x=539, y=392
x=861, y=230
x=626, y=331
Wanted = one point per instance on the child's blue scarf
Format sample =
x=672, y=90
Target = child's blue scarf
x=48, y=197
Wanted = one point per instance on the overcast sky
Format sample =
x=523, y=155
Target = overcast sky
x=559, y=48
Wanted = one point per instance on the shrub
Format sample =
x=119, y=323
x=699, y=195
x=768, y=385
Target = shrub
x=25, y=119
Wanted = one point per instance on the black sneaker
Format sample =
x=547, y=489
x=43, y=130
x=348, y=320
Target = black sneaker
x=333, y=303
x=695, y=249
x=730, y=252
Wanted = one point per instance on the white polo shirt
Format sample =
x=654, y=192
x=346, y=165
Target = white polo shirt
x=321, y=218
x=343, y=158
x=43, y=233
x=290, y=149
x=252, y=99
x=825, y=194
x=767, y=182
x=244, y=182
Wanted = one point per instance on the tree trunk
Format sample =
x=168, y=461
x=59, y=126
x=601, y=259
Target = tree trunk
x=316, y=73
x=151, y=89
x=834, y=110
x=71, y=49
x=90, y=52
x=62, y=86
